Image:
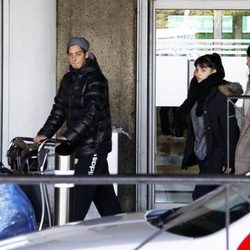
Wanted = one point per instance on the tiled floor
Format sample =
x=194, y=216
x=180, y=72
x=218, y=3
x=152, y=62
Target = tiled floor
x=169, y=155
x=169, y=158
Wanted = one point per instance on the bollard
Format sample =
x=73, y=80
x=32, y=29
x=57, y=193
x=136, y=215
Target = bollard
x=64, y=165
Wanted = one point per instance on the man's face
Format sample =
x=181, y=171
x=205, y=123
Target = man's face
x=77, y=58
x=248, y=62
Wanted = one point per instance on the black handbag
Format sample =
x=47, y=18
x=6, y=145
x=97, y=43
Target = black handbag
x=22, y=156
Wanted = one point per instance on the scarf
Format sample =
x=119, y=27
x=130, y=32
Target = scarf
x=198, y=92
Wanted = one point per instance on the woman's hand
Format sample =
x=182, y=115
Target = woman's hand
x=227, y=170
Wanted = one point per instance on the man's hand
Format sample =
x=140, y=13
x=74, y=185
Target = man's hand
x=39, y=138
x=60, y=138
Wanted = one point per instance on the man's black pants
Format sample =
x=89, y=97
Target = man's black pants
x=103, y=196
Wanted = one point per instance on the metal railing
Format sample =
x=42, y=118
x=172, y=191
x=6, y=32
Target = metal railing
x=124, y=180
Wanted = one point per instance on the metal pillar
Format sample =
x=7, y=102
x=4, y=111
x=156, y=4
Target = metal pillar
x=64, y=165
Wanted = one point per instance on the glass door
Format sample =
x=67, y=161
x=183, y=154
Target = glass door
x=183, y=31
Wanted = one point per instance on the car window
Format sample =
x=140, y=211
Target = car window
x=210, y=217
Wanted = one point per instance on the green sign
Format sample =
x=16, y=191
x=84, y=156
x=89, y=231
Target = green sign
x=199, y=24
x=246, y=24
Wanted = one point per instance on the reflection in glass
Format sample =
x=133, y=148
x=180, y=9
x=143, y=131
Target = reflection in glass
x=181, y=37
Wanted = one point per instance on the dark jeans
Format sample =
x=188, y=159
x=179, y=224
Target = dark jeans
x=165, y=122
x=103, y=196
x=169, y=126
x=201, y=190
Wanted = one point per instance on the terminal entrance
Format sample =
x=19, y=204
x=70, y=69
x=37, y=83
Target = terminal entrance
x=181, y=35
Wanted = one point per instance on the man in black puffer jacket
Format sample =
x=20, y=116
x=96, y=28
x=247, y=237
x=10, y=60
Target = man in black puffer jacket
x=83, y=102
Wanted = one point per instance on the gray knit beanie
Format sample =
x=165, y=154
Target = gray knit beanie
x=80, y=41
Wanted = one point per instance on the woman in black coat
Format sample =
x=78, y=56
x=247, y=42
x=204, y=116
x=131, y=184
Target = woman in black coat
x=206, y=112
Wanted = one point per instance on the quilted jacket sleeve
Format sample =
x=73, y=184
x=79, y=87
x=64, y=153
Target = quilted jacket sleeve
x=56, y=117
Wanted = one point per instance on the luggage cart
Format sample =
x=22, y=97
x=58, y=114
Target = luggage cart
x=25, y=157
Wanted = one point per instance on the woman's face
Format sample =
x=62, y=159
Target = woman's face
x=248, y=62
x=202, y=73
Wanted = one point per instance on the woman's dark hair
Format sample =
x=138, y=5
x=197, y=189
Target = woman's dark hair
x=212, y=61
x=248, y=51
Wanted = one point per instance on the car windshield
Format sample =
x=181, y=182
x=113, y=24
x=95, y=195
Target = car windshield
x=210, y=216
